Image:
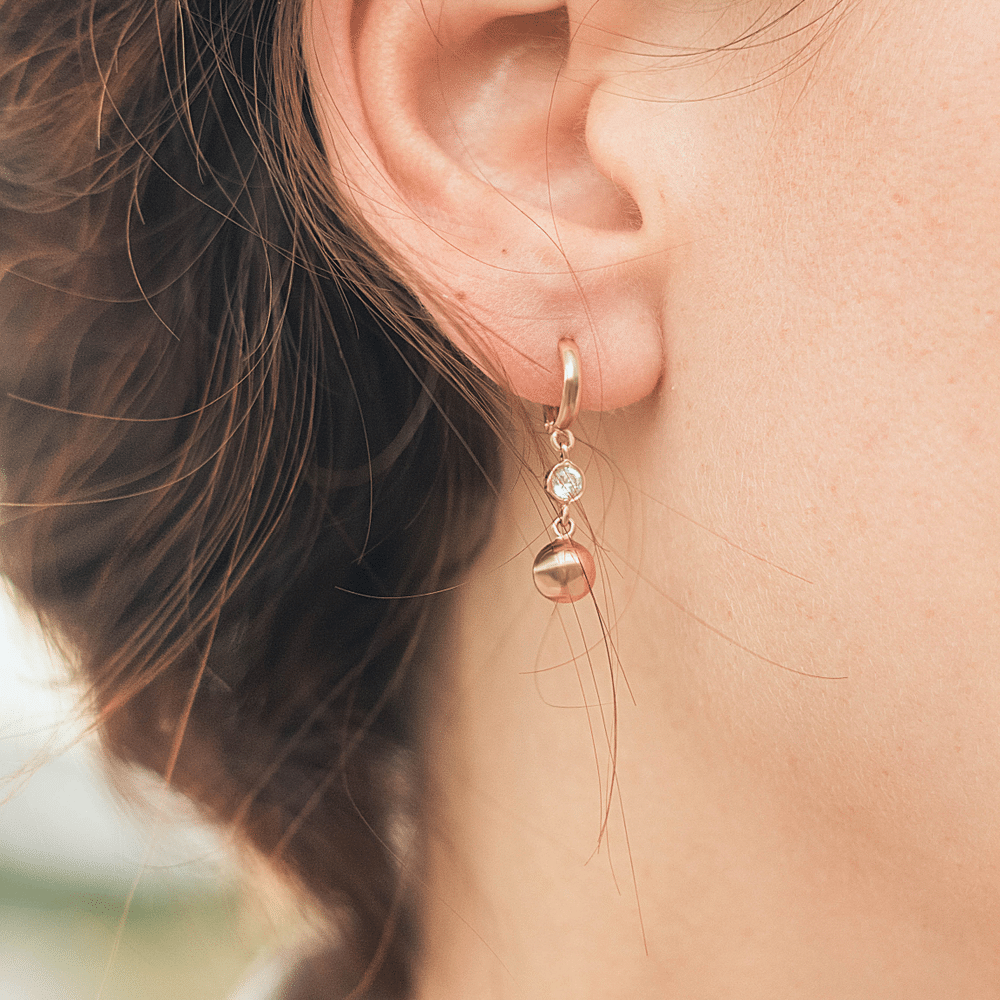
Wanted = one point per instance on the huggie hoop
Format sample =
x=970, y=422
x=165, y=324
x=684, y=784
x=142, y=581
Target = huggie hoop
x=569, y=405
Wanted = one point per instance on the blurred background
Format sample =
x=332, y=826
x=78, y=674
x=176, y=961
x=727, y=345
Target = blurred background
x=71, y=853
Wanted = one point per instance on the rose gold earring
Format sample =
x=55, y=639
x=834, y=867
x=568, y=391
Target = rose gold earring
x=564, y=570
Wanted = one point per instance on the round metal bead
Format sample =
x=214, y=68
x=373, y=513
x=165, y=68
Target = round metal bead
x=564, y=571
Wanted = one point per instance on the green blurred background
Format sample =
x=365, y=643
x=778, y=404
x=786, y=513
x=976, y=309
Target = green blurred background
x=70, y=853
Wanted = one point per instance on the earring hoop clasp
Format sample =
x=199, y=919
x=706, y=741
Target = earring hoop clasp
x=569, y=405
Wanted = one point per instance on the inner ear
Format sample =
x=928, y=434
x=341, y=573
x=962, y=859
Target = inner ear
x=504, y=108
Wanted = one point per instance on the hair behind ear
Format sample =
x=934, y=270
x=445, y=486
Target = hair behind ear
x=227, y=458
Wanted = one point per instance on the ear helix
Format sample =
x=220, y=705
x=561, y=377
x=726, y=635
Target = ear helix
x=464, y=142
x=564, y=570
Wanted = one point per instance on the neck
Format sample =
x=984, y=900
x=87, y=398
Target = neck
x=599, y=828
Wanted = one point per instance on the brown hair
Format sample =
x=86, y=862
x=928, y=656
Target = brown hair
x=232, y=443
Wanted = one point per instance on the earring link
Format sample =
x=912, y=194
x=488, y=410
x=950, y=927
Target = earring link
x=564, y=571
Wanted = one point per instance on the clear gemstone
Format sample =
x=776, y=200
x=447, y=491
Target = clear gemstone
x=565, y=482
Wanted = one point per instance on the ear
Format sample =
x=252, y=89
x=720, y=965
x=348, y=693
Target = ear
x=461, y=128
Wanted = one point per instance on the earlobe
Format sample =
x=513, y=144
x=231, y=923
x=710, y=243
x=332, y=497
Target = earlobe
x=462, y=135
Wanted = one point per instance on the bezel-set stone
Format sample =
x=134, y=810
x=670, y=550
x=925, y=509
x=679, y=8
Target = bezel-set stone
x=564, y=482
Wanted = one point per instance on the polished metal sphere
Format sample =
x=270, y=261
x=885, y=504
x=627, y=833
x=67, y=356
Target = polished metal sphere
x=564, y=571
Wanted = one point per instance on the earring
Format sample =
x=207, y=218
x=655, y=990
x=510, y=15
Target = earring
x=564, y=570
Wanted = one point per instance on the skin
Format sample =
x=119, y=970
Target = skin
x=792, y=497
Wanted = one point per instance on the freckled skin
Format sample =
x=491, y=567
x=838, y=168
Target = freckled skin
x=857, y=450
x=799, y=554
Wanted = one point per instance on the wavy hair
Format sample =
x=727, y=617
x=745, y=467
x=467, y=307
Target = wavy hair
x=233, y=445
